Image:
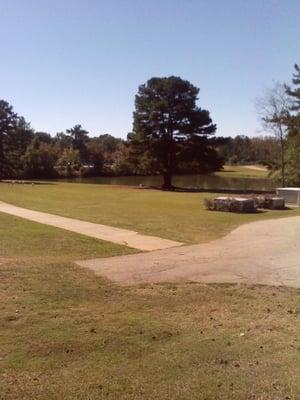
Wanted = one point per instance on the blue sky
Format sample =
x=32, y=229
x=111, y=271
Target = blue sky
x=72, y=61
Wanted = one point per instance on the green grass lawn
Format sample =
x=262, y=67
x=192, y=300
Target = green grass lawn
x=242, y=171
x=66, y=334
x=59, y=245
x=177, y=216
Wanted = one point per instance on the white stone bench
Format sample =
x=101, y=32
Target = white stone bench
x=291, y=195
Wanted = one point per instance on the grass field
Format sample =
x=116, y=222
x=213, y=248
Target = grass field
x=66, y=334
x=243, y=171
x=177, y=216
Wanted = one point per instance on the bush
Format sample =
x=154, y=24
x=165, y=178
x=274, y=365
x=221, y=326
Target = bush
x=209, y=204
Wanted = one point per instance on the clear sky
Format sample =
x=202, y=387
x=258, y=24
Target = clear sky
x=73, y=61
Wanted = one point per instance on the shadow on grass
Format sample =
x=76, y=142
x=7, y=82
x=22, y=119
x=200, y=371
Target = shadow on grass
x=179, y=189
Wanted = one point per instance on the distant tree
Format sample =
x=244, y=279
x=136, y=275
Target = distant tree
x=245, y=150
x=109, y=143
x=110, y=146
x=273, y=109
x=96, y=155
x=236, y=150
x=39, y=160
x=123, y=163
x=17, y=142
x=265, y=150
x=69, y=163
x=80, y=139
x=15, y=135
x=62, y=141
x=167, y=121
x=44, y=137
x=7, y=120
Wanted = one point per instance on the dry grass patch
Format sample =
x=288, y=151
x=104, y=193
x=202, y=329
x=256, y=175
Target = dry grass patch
x=66, y=334
x=83, y=338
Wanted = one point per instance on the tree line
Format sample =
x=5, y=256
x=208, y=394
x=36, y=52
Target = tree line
x=245, y=150
x=25, y=153
x=171, y=135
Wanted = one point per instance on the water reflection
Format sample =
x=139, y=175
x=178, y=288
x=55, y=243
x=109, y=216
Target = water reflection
x=209, y=182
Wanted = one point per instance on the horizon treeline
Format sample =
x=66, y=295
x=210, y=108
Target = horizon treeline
x=25, y=153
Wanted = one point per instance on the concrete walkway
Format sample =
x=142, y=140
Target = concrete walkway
x=103, y=232
x=265, y=252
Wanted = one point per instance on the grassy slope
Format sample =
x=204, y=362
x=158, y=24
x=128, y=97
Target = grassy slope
x=66, y=334
x=177, y=216
x=242, y=171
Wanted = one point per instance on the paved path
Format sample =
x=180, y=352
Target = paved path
x=265, y=252
x=103, y=232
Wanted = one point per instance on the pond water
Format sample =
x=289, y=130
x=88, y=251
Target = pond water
x=207, y=181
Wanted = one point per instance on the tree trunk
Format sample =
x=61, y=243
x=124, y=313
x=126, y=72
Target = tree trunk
x=167, y=185
x=282, y=159
x=283, y=171
x=168, y=162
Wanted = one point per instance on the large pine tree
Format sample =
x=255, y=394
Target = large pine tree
x=169, y=126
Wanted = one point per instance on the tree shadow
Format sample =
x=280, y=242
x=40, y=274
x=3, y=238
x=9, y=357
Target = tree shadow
x=179, y=189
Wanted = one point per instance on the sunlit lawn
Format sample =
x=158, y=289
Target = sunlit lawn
x=177, y=216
